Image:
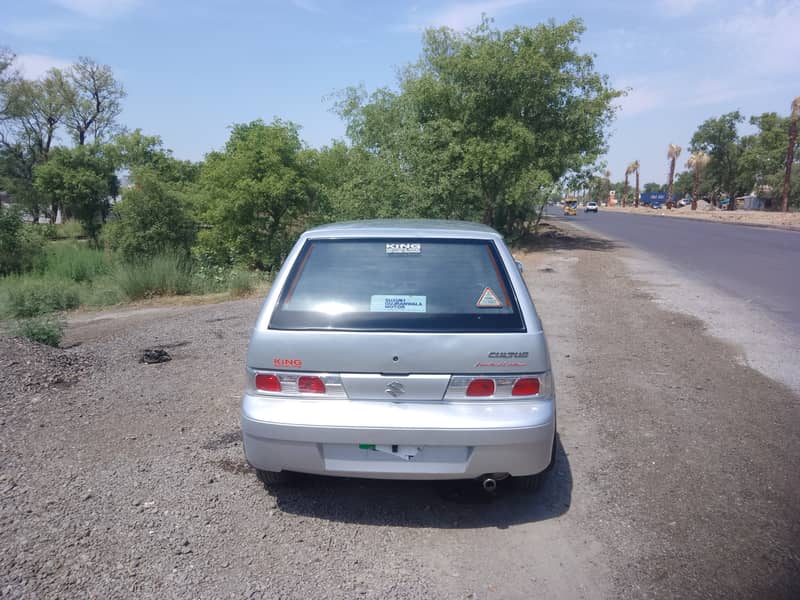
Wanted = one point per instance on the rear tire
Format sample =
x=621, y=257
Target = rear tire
x=273, y=477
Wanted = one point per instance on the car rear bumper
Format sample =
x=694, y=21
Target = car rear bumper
x=397, y=440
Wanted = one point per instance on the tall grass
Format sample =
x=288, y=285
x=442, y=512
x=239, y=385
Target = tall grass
x=67, y=230
x=77, y=262
x=27, y=296
x=70, y=274
x=241, y=283
x=166, y=274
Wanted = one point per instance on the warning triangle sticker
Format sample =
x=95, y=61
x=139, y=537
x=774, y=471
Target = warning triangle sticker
x=489, y=299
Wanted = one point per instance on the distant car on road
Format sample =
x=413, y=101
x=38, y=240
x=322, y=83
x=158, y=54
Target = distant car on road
x=400, y=349
x=656, y=204
x=590, y=207
x=570, y=209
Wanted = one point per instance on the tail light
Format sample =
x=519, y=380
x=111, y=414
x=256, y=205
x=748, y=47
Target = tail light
x=480, y=387
x=310, y=385
x=500, y=387
x=280, y=383
x=267, y=382
x=526, y=386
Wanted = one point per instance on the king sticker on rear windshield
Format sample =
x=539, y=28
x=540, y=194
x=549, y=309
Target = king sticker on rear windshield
x=398, y=248
x=488, y=299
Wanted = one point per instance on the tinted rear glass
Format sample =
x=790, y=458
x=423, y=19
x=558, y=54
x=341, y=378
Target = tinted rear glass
x=398, y=285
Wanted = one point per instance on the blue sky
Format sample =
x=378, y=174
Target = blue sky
x=192, y=68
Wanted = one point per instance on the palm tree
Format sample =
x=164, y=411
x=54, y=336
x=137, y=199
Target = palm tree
x=673, y=152
x=635, y=166
x=787, y=177
x=628, y=172
x=697, y=162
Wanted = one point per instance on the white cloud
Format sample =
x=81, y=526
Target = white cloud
x=680, y=8
x=763, y=37
x=670, y=91
x=461, y=15
x=640, y=100
x=80, y=15
x=34, y=66
x=38, y=29
x=98, y=9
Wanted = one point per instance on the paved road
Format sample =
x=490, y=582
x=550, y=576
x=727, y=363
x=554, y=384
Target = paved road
x=758, y=265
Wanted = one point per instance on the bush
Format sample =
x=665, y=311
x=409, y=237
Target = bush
x=20, y=244
x=240, y=283
x=168, y=274
x=43, y=330
x=150, y=219
x=27, y=297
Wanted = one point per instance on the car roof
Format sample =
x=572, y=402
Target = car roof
x=404, y=228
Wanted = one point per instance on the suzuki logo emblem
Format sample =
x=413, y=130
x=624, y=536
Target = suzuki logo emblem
x=395, y=388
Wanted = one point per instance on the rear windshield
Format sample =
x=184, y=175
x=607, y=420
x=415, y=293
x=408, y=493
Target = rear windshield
x=398, y=285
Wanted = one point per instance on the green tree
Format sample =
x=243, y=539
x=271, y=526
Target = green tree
x=358, y=184
x=16, y=176
x=488, y=119
x=19, y=245
x=82, y=180
x=786, y=188
x=652, y=187
x=93, y=100
x=7, y=74
x=762, y=154
x=259, y=194
x=134, y=150
x=32, y=113
x=34, y=110
x=682, y=186
x=150, y=219
x=719, y=138
x=696, y=164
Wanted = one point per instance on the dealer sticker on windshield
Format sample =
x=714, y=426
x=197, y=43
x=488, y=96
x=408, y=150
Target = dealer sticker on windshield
x=403, y=248
x=382, y=303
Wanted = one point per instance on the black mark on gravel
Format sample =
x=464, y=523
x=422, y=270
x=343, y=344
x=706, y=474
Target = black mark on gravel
x=237, y=467
x=224, y=440
x=153, y=356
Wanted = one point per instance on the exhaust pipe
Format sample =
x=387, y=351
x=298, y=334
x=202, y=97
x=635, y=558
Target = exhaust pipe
x=489, y=484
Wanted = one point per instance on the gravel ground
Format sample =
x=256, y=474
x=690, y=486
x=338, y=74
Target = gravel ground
x=676, y=477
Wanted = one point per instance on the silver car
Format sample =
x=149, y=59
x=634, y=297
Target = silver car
x=402, y=349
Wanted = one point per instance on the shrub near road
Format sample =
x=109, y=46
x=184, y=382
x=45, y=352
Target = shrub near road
x=70, y=275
